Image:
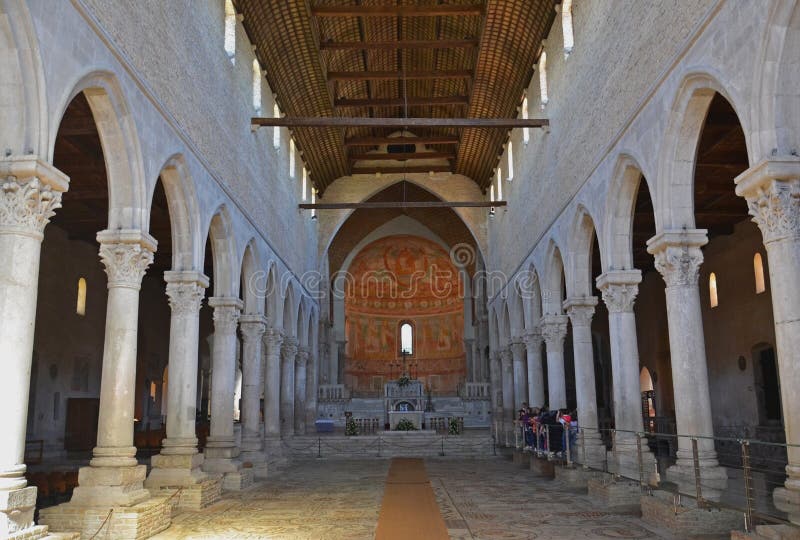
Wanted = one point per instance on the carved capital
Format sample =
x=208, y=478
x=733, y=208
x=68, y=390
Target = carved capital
x=126, y=254
x=518, y=350
x=554, y=330
x=289, y=349
x=30, y=193
x=252, y=327
x=678, y=256
x=273, y=339
x=619, y=289
x=185, y=298
x=301, y=359
x=506, y=356
x=533, y=338
x=772, y=191
x=580, y=310
x=226, y=314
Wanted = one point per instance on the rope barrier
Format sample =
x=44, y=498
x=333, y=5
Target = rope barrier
x=108, y=516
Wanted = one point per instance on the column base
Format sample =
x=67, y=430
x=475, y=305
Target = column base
x=257, y=461
x=110, y=486
x=713, y=479
x=787, y=500
x=16, y=511
x=663, y=510
x=542, y=467
x=576, y=477
x=234, y=476
x=624, y=462
x=180, y=478
x=615, y=493
x=276, y=457
x=134, y=522
x=593, y=456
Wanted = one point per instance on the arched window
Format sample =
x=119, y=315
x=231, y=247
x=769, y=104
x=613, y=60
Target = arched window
x=313, y=201
x=292, y=158
x=526, y=132
x=304, y=193
x=276, y=131
x=712, y=290
x=758, y=269
x=543, y=78
x=257, y=86
x=491, y=193
x=510, y=155
x=499, y=178
x=80, y=306
x=230, y=30
x=566, y=26
x=406, y=338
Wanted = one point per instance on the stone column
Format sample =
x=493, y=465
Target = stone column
x=272, y=384
x=114, y=477
x=772, y=190
x=520, y=372
x=301, y=365
x=554, y=330
x=312, y=389
x=678, y=258
x=619, y=289
x=533, y=351
x=222, y=454
x=30, y=193
x=507, y=375
x=580, y=312
x=288, y=354
x=252, y=329
x=496, y=385
x=179, y=462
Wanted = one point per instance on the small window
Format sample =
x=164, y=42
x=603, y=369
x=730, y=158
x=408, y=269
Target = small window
x=230, y=30
x=276, y=131
x=153, y=390
x=526, y=132
x=491, y=193
x=304, y=193
x=80, y=307
x=257, y=87
x=406, y=339
x=292, y=158
x=758, y=269
x=543, y=78
x=566, y=26
x=712, y=290
x=510, y=155
x=313, y=201
x=499, y=178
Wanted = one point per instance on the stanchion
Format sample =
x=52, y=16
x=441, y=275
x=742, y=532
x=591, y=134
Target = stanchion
x=319, y=447
x=442, y=453
x=696, y=461
x=748, y=486
x=583, y=449
x=379, y=445
x=614, y=450
x=639, y=460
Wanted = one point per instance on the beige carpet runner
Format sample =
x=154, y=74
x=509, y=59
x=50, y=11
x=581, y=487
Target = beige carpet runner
x=409, y=508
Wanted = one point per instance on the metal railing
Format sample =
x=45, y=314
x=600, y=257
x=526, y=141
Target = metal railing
x=384, y=446
x=748, y=473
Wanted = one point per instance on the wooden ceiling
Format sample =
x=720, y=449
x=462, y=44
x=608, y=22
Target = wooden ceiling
x=442, y=59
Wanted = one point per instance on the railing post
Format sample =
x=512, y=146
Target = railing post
x=614, y=451
x=748, y=486
x=442, y=445
x=379, y=446
x=547, y=439
x=696, y=461
x=319, y=447
x=566, y=442
x=639, y=460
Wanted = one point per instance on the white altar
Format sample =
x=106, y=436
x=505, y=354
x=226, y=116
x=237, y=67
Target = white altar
x=416, y=418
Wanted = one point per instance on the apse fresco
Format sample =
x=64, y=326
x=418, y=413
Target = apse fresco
x=404, y=279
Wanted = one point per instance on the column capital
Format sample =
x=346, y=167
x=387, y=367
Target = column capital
x=518, y=348
x=273, y=338
x=533, y=338
x=303, y=354
x=580, y=310
x=185, y=291
x=226, y=313
x=772, y=190
x=30, y=194
x=126, y=254
x=678, y=256
x=619, y=289
x=506, y=355
x=252, y=327
x=554, y=330
x=289, y=348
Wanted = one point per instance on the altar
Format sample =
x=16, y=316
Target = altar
x=415, y=417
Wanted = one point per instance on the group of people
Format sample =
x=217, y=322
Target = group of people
x=549, y=432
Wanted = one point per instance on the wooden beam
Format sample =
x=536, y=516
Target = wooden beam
x=397, y=11
x=376, y=141
x=400, y=102
x=401, y=204
x=401, y=170
x=403, y=44
x=344, y=121
x=403, y=156
x=402, y=75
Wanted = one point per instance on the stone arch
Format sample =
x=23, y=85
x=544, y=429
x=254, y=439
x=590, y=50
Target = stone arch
x=581, y=242
x=776, y=104
x=553, y=284
x=271, y=293
x=619, y=211
x=183, y=213
x=220, y=232
x=22, y=94
x=505, y=324
x=645, y=380
x=302, y=326
x=250, y=277
x=674, y=194
x=515, y=311
x=494, y=329
x=289, y=319
x=127, y=191
x=531, y=292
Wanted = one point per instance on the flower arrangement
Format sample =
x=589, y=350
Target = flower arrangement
x=350, y=428
x=405, y=425
x=403, y=381
x=454, y=428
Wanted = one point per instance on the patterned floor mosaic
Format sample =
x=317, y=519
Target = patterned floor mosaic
x=481, y=499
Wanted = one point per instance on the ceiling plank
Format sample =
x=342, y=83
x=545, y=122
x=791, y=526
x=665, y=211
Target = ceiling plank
x=403, y=156
x=375, y=141
x=397, y=11
x=400, y=170
x=400, y=102
x=394, y=75
x=394, y=45
x=341, y=121
x=401, y=204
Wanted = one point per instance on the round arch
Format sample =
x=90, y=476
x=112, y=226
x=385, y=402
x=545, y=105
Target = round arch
x=581, y=242
x=220, y=233
x=553, y=280
x=183, y=212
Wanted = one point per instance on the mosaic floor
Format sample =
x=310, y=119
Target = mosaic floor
x=331, y=500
